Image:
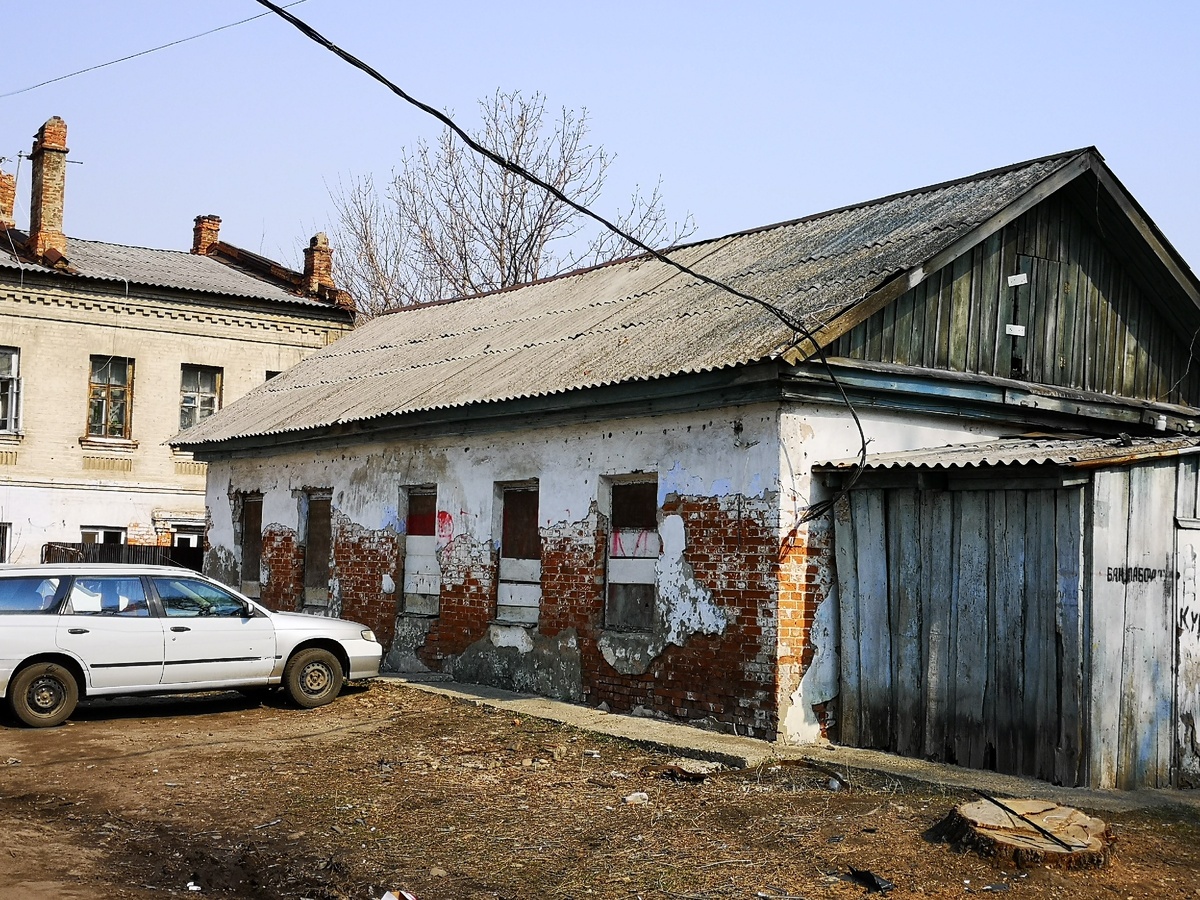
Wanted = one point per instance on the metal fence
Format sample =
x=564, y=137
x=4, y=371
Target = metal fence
x=127, y=554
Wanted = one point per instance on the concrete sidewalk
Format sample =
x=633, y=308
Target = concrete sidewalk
x=745, y=752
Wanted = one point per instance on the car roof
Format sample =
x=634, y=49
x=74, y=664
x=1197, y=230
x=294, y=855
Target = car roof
x=49, y=570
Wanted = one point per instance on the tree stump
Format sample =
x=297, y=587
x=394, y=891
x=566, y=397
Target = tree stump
x=1013, y=840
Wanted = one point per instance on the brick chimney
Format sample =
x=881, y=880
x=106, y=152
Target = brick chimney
x=8, y=200
x=205, y=234
x=318, y=265
x=49, y=158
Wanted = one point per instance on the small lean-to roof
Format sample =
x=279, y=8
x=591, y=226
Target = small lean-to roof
x=145, y=267
x=1079, y=453
x=630, y=320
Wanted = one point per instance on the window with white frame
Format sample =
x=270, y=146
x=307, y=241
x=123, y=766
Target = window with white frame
x=633, y=550
x=10, y=389
x=99, y=534
x=199, y=394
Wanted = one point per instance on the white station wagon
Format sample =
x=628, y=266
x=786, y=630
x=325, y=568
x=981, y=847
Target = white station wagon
x=92, y=630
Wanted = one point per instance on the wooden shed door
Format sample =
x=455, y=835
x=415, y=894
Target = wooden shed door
x=961, y=631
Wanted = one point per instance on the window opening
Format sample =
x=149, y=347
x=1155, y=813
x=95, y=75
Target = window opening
x=633, y=550
x=10, y=389
x=102, y=535
x=250, y=533
x=199, y=394
x=317, y=546
x=519, y=596
x=422, y=582
x=110, y=397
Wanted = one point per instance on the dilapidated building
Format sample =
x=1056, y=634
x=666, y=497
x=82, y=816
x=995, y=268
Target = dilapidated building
x=108, y=350
x=597, y=487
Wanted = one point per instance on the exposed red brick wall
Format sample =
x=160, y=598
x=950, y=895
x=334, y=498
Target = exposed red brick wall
x=8, y=199
x=361, y=559
x=283, y=565
x=205, y=233
x=805, y=575
x=49, y=163
x=467, y=603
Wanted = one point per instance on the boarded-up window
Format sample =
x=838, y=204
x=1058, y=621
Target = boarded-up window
x=422, y=573
x=519, y=596
x=316, y=551
x=251, y=541
x=633, y=550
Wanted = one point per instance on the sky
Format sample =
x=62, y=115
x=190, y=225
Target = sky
x=749, y=113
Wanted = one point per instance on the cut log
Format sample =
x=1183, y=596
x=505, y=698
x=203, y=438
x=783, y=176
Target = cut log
x=1028, y=833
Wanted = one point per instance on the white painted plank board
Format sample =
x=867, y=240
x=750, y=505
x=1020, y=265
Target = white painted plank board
x=630, y=544
x=526, y=570
x=421, y=583
x=522, y=615
x=632, y=571
x=420, y=545
x=1106, y=640
x=527, y=595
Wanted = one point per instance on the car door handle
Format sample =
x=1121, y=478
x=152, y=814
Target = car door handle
x=77, y=631
x=180, y=628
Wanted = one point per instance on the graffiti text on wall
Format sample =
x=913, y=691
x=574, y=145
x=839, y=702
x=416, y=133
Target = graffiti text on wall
x=1134, y=574
x=1189, y=621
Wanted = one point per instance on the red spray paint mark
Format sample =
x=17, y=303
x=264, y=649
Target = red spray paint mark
x=445, y=525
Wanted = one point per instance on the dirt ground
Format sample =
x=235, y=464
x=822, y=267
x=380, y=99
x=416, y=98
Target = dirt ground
x=395, y=789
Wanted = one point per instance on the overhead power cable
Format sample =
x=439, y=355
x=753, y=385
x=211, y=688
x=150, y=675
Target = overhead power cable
x=34, y=87
x=796, y=326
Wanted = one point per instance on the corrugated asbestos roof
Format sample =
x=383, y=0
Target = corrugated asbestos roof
x=1084, y=452
x=172, y=269
x=626, y=321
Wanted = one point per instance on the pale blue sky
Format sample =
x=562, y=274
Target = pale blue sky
x=751, y=113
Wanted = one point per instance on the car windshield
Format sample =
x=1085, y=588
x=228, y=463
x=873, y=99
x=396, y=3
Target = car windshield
x=29, y=594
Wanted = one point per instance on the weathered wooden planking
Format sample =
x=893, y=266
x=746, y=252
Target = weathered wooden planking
x=846, y=558
x=1109, y=495
x=874, y=629
x=1090, y=324
x=1186, y=487
x=937, y=585
x=1007, y=659
x=971, y=550
x=1187, y=682
x=905, y=577
x=1041, y=661
x=1068, y=527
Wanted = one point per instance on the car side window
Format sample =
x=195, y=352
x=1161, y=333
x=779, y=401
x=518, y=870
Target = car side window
x=191, y=597
x=28, y=594
x=107, y=597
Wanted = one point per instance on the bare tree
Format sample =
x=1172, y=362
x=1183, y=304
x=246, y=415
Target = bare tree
x=451, y=223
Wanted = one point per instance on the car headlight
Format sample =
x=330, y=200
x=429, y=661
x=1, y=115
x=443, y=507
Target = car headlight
x=369, y=635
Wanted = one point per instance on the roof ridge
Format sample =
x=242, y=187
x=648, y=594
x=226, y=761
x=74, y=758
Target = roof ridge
x=1065, y=157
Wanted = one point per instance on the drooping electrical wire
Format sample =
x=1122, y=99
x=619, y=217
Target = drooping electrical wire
x=40, y=84
x=794, y=324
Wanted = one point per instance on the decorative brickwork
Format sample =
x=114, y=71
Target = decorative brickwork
x=283, y=566
x=362, y=558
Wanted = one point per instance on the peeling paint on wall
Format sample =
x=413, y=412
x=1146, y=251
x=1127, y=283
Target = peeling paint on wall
x=535, y=663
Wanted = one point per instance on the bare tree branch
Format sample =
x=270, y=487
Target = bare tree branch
x=450, y=223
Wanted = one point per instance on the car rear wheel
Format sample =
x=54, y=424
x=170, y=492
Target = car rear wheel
x=43, y=694
x=313, y=677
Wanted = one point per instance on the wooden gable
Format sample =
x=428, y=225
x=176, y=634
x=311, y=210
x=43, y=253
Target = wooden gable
x=1092, y=319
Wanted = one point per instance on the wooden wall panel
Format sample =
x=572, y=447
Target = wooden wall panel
x=1088, y=324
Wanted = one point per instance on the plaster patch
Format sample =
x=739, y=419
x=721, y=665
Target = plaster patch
x=514, y=636
x=683, y=607
x=387, y=584
x=819, y=684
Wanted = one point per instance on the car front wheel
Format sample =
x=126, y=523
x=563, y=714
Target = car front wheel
x=43, y=694
x=313, y=677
